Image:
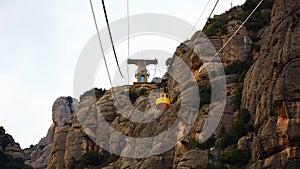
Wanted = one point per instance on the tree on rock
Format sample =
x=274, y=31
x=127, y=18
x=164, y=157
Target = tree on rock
x=2, y=130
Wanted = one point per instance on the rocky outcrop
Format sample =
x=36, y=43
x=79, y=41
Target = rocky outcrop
x=11, y=155
x=11, y=148
x=193, y=158
x=271, y=91
x=62, y=111
x=84, y=133
x=38, y=156
x=69, y=142
x=238, y=48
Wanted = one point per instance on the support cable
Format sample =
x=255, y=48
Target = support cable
x=233, y=35
x=128, y=40
x=212, y=12
x=204, y=26
x=100, y=43
x=200, y=17
x=111, y=39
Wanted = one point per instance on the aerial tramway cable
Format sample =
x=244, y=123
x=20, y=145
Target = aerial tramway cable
x=204, y=25
x=231, y=37
x=100, y=43
x=111, y=39
x=212, y=12
x=99, y=38
x=128, y=40
x=200, y=17
x=155, y=71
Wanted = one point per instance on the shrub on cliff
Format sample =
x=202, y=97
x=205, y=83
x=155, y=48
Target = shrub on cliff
x=194, y=143
x=239, y=128
x=95, y=92
x=236, y=157
x=217, y=25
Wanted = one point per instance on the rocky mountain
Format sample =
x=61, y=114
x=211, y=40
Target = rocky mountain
x=11, y=155
x=274, y=84
x=260, y=121
x=38, y=156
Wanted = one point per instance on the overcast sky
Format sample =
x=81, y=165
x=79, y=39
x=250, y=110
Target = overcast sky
x=40, y=42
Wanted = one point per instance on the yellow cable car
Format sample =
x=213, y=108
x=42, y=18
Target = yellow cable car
x=163, y=101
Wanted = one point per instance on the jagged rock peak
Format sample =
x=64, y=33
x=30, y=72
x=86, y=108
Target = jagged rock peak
x=11, y=155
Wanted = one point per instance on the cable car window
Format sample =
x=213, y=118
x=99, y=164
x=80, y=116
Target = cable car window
x=162, y=95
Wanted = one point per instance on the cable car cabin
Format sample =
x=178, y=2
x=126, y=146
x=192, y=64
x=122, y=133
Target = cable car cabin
x=163, y=101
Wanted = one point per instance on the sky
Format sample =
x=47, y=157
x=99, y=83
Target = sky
x=41, y=41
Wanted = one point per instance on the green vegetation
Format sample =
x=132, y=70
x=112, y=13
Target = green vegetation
x=68, y=124
x=237, y=100
x=169, y=62
x=260, y=19
x=132, y=96
x=6, y=160
x=91, y=159
x=295, y=139
x=294, y=23
x=240, y=128
x=2, y=130
x=204, y=76
x=41, y=147
x=207, y=166
x=205, y=93
x=194, y=143
x=217, y=25
x=256, y=47
x=142, y=91
x=240, y=68
x=97, y=93
x=236, y=157
x=5, y=140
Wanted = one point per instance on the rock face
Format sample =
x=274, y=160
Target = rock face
x=38, y=156
x=11, y=148
x=238, y=48
x=74, y=142
x=69, y=142
x=193, y=158
x=271, y=91
x=11, y=155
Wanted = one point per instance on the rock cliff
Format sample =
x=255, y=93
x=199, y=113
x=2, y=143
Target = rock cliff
x=271, y=91
x=11, y=155
x=74, y=144
x=38, y=156
x=259, y=124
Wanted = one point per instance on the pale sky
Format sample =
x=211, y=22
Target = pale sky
x=40, y=42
